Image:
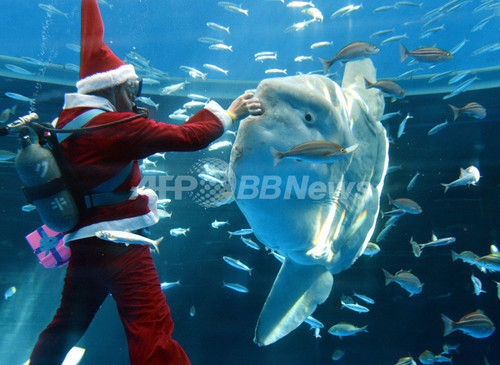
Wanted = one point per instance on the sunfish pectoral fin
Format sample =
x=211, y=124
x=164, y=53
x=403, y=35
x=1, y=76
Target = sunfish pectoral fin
x=296, y=292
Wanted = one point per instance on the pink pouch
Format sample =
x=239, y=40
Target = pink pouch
x=49, y=247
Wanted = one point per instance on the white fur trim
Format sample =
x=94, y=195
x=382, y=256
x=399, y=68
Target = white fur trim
x=130, y=224
x=75, y=100
x=106, y=79
x=220, y=113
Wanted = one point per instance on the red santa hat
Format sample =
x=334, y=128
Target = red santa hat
x=99, y=67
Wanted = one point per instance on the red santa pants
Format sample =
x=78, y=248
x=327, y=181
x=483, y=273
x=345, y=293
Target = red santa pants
x=97, y=268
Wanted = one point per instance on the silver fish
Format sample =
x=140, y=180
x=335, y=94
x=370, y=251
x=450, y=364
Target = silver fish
x=458, y=46
x=415, y=247
x=393, y=213
x=459, y=76
x=478, y=286
x=435, y=242
x=402, y=125
x=383, y=233
x=351, y=52
x=18, y=69
x=408, y=205
x=7, y=155
x=480, y=25
x=178, y=116
x=313, y=322
x=406, y=280
x=321, y=44
x=439, y=76
x=167, y=90
x=299, y=4
x=387, y=86
x=218, y=27
x=218, y=145
x=364, y=298
x=425, y=54
x=250, y=243
x=407, y=360
x=384, y=8
x=237, y=264
x=464, y=85
x=354, y=307
x=468, y=176
x=211, y=179
x=148, y=101
x=437, y=128
x=468, y=257
x=216, y=224
x=343, y=329
x=167, y=285
x=474, y=324
x=9, y=292
x=490, y=262
x=382, y=32
x=215, y=68
x=51, y=10
x=393, y=39
x=346, y=10
x=300, y=25
x=236, y=9
x=28, y=208
x=315, y=152
x=371, y=249
x=19, y=97
x=412, y=182
x=179, y=231
x=390, y=115
x=236, y=287
x=210, y=40
x=221, y=47
x=473, y=108
x=240, y=232
x=127, y=238
x=409, y=3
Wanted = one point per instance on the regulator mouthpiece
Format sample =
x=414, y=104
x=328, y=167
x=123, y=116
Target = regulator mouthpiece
x=24, y=120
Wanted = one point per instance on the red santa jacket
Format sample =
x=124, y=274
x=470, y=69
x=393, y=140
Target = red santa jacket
x=98, y=156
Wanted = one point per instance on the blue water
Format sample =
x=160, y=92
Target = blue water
x=221, y=332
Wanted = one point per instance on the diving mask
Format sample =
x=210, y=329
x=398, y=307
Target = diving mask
x=134, y=88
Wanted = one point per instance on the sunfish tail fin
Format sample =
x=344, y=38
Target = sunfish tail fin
x=296, y=292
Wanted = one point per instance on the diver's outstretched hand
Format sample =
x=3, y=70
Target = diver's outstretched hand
x=245, y=105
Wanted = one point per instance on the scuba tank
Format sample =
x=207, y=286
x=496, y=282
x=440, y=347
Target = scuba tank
x=45, y=186
x=58, y=196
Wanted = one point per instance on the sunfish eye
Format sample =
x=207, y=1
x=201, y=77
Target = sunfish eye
x=308, y=117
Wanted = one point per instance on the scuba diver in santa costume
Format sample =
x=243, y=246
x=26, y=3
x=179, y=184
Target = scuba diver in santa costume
x=104, y=162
